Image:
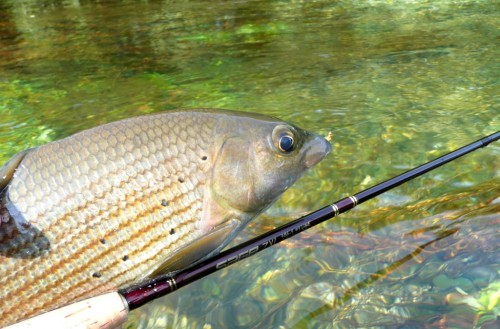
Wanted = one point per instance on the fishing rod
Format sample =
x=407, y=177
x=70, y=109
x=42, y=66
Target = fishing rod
x=110, y=310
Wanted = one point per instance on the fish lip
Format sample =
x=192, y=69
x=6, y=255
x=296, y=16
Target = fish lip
x=316, y=150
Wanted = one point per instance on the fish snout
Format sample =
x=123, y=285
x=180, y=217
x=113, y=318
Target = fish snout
x=316, y=150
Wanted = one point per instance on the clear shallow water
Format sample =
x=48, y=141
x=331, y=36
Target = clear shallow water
x=397, y=82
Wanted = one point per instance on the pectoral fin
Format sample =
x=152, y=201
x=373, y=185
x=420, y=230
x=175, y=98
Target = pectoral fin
x=197, y=250
x=9, y=168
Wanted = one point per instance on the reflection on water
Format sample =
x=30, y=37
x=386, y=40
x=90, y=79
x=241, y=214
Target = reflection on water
x=397, y=82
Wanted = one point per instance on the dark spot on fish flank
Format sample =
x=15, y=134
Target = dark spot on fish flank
x=97, y=274
x=125, y=258
x=181, y=180
x=164, y=202
x=103, y=241
x=204, y=157
x=172, y=231
x=26, y=225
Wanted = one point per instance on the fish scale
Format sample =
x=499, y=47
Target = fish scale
x=52, y=173
x=108, y=207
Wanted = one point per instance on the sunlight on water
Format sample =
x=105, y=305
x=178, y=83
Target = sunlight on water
x=397, y=83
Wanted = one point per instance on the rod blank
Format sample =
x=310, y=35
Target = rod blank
x=140, y=295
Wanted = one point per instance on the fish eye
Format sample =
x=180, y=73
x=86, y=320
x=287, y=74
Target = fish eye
x=286, y=143
x=283, y=139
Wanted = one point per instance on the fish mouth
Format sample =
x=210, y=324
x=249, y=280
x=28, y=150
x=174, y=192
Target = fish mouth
x=316, y=150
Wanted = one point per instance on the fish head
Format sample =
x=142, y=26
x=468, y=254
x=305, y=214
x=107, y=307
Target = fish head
x=257, y=160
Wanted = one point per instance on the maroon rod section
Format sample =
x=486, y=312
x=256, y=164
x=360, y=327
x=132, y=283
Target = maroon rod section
x=163, y=285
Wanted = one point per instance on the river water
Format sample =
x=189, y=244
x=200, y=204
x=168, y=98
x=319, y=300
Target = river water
x=398, y=83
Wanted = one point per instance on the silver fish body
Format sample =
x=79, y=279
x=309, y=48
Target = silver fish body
x=110, y=206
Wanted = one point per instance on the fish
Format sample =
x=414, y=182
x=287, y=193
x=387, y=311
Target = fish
x=117, y=204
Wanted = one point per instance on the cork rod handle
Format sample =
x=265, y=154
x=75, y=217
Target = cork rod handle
x=102, y=312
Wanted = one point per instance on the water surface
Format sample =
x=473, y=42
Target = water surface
x=397, y=82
